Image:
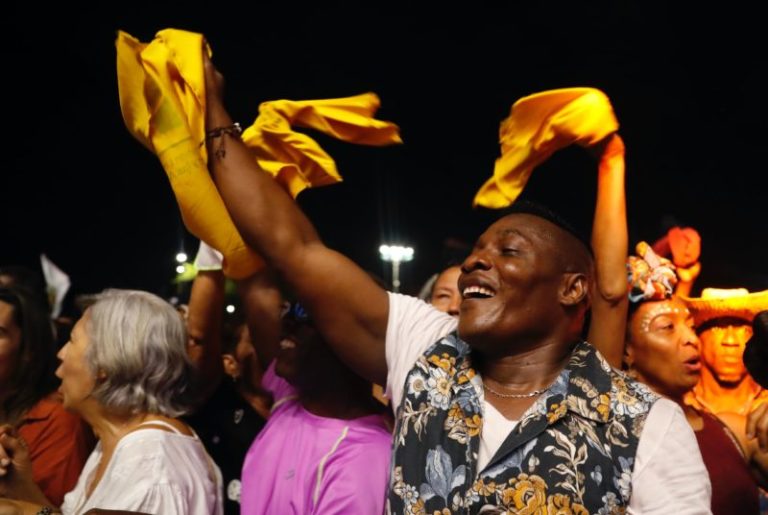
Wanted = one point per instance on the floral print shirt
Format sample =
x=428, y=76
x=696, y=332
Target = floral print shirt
x=572, y=452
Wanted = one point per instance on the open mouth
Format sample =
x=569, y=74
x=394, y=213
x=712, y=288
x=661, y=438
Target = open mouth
x=477, y=292
x=285, y=344
x=693, y=364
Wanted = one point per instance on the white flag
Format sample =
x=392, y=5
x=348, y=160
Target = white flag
x=56, y=284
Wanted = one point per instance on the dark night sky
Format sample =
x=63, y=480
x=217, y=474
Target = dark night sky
x=686, y=85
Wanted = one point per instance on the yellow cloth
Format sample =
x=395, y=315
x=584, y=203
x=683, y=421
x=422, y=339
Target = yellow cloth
x=538, y=126
x=162, y=98
x=294, y=159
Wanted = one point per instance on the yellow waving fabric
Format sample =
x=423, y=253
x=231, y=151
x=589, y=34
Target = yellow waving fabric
x=162, y=98
x=294, y=159
x=539, y=125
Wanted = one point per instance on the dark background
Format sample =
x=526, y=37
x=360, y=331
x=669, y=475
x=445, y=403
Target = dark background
x=687, y=84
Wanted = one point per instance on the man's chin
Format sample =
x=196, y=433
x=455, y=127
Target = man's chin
x=730, y=380
x=466, y=329
x=285, y=370
x=473, y=335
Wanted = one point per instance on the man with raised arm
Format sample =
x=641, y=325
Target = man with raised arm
x=504, y=410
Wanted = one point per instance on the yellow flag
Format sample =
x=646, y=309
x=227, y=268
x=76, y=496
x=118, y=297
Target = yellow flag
x=162, y=98
x=538, y=126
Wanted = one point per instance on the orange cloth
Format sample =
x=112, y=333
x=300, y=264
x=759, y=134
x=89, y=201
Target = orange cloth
x=162, y=98
x=685, y=244
x=59, y=443
x=538, y=126
x=682, y=243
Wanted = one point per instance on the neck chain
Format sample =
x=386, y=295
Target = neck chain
x=517, y=395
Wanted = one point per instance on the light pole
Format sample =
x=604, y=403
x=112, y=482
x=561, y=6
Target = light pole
x=396, y=254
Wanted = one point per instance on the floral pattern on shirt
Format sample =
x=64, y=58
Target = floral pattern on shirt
x=571, y=453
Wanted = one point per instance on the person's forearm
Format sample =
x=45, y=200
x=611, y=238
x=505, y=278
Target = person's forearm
x=16, y=507
x=29, y=495
x=609, y=233
x=262, y=303
x=206, y=306
x=609, y=244
x=267, y=218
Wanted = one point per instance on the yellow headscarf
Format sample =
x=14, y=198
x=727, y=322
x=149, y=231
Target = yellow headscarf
x=162, y=98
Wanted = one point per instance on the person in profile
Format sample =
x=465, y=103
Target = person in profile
x=126, y=372
x=58, y=441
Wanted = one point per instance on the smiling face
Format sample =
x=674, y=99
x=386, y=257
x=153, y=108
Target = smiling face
x=723, y=346
x=663, y=348
x=303, y=358
x=516, y=284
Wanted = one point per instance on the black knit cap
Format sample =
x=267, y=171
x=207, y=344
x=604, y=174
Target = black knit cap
x=527, y=207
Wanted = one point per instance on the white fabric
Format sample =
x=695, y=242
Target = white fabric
x=669, y=474
x=151, y=471
x=208, y=258
x=57, y=284
x=496, y=428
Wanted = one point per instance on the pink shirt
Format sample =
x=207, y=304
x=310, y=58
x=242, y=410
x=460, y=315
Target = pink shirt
x=301, y=463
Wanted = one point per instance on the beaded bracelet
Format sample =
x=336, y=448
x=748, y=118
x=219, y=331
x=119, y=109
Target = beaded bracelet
x=232, y=130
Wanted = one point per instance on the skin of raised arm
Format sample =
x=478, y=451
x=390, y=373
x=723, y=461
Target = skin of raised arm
x=262, y=301
x=347, y=306
x=687, y=276
x=204, y=324
x=609, y=244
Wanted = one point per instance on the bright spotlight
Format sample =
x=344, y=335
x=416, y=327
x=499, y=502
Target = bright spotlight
x=396, y=254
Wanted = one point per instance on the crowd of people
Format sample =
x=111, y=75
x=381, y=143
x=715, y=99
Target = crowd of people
x=546, y=372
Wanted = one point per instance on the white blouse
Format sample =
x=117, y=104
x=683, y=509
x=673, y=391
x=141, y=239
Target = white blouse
x=151, y=471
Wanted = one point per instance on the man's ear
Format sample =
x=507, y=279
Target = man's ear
x=574, y=289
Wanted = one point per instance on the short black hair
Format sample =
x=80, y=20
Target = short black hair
x=527, y=207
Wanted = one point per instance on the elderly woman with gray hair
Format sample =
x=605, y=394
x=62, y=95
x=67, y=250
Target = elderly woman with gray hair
x=125, y=370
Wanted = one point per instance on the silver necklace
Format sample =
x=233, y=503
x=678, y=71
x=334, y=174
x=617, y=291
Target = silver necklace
x=517, y=395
